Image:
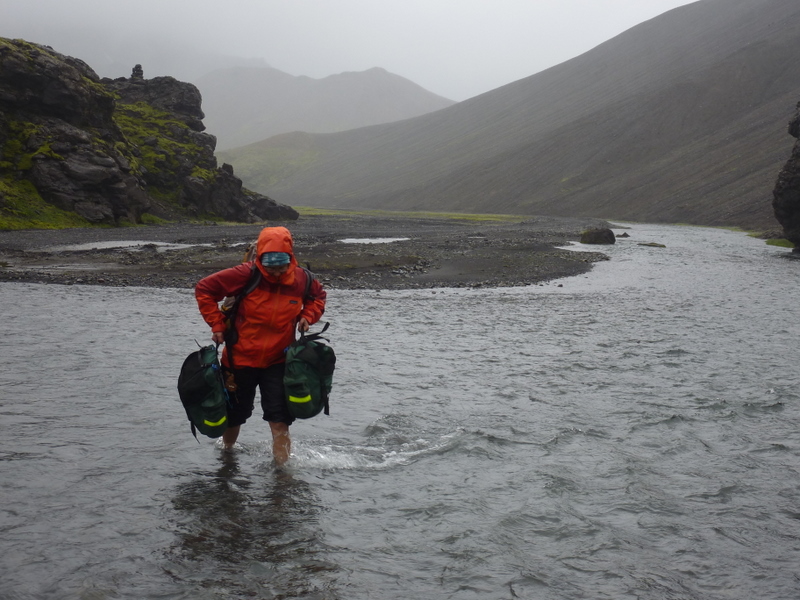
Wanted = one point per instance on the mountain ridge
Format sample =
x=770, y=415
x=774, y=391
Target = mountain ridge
x=248, y=104
x=618, y=132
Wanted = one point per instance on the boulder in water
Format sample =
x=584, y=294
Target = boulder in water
x=601, y=235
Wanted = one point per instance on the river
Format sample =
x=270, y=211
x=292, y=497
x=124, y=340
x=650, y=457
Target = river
x=629, y=433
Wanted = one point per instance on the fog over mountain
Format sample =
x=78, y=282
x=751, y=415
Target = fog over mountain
x=246, y=100
x=112, y=52
x=681, y=118
x=248, y=104
x=455, y=48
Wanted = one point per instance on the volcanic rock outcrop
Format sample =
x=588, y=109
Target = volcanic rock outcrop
x=786, y=195
x=107, y=150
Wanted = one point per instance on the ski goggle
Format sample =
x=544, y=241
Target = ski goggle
x=275, y=259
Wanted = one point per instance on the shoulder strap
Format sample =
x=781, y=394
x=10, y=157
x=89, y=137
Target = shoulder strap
x=255, y=279
x=309, y=278
x=252, y=283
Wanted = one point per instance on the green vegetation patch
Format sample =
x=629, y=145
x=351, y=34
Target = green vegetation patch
x=140, y=121
x=21, y=207
x=205, y=174
x=157, y=134
x=28, y=49
x=781, y=243
x=148, y=219
x=16, y=157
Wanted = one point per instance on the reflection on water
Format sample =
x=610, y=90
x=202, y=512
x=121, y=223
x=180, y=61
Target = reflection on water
x=249, y=534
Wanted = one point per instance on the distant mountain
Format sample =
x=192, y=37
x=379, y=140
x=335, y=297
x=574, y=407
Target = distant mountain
x=248, y=104
x=680, y=119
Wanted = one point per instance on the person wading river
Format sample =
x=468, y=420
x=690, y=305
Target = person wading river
x=265, y=325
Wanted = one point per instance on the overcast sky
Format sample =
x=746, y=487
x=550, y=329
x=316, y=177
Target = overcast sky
x=455, y=48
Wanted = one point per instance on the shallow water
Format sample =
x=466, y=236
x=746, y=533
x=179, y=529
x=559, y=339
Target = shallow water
x=632, y=434
x=372, y=240
x=128, y=244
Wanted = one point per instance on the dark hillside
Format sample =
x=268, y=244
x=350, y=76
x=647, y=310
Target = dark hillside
x=681, y=118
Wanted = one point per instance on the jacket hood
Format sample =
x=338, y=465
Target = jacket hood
x=276, y=239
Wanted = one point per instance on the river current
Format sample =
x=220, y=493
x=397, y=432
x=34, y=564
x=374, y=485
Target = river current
x=629, y=433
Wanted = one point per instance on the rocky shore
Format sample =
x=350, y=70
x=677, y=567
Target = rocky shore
x=346, y=251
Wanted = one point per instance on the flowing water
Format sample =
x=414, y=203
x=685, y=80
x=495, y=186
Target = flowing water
x=630, y=433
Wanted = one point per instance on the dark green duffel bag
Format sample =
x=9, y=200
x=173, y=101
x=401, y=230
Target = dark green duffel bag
x=203, y=394
x=309, y=375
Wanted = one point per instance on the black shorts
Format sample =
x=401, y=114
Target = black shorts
x=269, y=381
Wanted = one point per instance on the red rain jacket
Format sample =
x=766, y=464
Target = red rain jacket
x=268, y=315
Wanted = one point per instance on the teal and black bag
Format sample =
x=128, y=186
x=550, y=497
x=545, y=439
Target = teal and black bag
x=309, y=375
x=203, y=394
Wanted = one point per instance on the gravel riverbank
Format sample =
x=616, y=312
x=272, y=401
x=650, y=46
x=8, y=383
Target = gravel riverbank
x=429, y=252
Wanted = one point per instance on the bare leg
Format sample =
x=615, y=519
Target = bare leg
x=281, y=443
x=230, y=436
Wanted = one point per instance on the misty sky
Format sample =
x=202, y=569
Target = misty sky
x=455, y=48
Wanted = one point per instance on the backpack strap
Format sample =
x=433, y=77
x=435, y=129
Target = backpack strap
x=309, y=278
x=311, y=337
x=252, y=283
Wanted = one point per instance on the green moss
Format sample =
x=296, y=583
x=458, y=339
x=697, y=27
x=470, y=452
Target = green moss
x=26, y=161
x=204, y=174
x=147, y=128
x=19, y=132
x=781, y=243
x=148, y=219
x=142, y=118
x=157, y=135
x=21, y=207
x=97, y=87
x=141, y=123
x=169, y=196
x=14, y=151
x=26, y=48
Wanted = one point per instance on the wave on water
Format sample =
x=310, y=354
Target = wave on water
x=331, y=455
